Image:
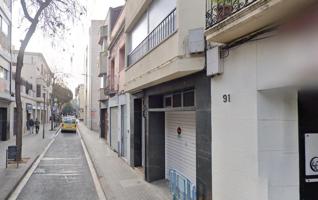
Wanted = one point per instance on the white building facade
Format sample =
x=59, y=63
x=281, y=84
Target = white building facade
x=93, y=83
x=263, y=100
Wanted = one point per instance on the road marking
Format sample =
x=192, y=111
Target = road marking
x=99, y=190
x=25, y=179
x=51, y=158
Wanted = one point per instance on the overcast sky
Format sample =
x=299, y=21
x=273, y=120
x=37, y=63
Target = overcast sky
x=66, y=56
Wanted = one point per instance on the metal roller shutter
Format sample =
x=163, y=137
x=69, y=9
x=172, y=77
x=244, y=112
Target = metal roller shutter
x=181, y=150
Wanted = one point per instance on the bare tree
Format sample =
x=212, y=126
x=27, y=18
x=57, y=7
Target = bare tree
x=52, y=17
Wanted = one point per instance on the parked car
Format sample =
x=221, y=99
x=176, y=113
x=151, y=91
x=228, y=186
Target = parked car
x=69, y=124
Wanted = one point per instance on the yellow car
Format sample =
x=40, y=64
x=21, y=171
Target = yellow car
x=69, y=124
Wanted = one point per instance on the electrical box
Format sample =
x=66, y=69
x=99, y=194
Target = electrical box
x=214, y=62
x=196, y=41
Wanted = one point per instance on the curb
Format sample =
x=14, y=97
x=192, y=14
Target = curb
x=25, y=172
x=94, y=165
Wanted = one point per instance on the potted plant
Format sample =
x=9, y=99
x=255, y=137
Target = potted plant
x=223, y=8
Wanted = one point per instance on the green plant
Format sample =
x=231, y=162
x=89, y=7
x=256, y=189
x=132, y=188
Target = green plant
x=221, y=1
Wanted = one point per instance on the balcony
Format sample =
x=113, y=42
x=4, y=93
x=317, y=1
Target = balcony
x=102, y=63
x=112, y=86
x=103, y=33
x=228, y=20
x=162, y=32
x=102, y=94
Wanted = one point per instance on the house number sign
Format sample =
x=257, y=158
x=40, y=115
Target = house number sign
x=226, y=98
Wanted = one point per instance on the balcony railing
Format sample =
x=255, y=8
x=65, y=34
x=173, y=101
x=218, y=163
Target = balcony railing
x=165, y=29
x=218, y=10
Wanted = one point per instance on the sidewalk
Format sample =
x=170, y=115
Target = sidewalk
x=33, y=145
x=118, y=179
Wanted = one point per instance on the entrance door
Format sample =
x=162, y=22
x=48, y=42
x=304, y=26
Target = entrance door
x=114, y=128
x=137, y=137
x=308, y=144
x=123, y=131
x=103, y=123
x=3, y=124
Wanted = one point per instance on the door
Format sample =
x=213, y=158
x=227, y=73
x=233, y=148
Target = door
x=308, y=144
x=3, y=124
x=103, y=123
x=124, y=131
x=137, y=136
x=114, y=128
x=180, y=144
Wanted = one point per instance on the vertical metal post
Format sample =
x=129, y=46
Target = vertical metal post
x=7, y=158
x=44, y=115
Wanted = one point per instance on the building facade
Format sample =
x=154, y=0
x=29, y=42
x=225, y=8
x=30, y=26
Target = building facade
x=6, y=97
x=263, y=99
x=170, y=109
x=36, y=88
x=93, y=83
x=114, y=106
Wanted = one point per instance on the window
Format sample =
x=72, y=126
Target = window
x=188, y=98
x=103, y=81
x=168, y=101
x=177, y=100
x=122, y=58
x=4, y=74
x=38, y=90
x=4, y=27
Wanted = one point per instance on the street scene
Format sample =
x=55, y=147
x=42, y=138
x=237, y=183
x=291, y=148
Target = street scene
x=158, y=100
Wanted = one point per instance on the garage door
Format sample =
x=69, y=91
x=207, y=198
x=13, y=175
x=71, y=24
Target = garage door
x=114, y=128
x=181, y=149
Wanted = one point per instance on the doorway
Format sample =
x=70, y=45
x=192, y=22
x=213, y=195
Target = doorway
x=137, y=137
x=114, y=128
x=103, y=123
x=308, y=144
x=123, y=131
x=3, y=124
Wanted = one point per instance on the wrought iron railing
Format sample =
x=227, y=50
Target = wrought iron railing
x=165, y=29
x=218, y=10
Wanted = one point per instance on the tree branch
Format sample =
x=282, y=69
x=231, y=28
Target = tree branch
x=25, y=11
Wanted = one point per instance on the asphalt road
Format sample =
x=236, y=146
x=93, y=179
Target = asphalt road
x=63, y=173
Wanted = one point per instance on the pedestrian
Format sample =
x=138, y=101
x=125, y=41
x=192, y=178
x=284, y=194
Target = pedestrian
x=37, y=126
x=31, y=125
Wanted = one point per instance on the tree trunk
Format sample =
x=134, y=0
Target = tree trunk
x=19, y=115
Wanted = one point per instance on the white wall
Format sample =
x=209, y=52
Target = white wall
x=93, y=80
x=255, y=136
x=278, y=143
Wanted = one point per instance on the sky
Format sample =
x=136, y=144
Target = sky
x=66, y=56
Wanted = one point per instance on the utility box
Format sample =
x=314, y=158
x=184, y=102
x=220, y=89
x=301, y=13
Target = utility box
x=214, y=62
x=196, y=41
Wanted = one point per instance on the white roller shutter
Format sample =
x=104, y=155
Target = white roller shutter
x=114, y=128
x=181, y=150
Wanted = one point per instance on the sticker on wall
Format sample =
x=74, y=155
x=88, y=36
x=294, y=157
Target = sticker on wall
x=179, y=131
x=311, y=156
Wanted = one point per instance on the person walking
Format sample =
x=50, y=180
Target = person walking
x=37, y=126
x=31, y=125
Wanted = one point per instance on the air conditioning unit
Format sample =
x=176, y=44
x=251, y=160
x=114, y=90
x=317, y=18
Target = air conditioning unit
x=196, y=41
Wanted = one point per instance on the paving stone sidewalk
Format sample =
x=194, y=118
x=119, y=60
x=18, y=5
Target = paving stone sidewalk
x=33, y=146
x=118, y=179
